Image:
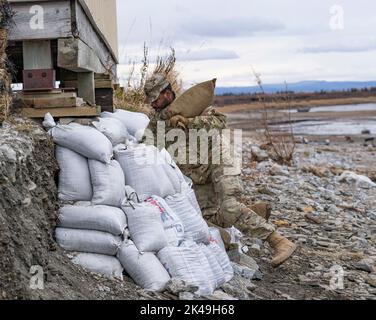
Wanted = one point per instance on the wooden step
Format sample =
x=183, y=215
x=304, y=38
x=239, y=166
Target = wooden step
x=64, y=100
x=62, y=112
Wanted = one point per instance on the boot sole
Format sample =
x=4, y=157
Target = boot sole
x=288, y=256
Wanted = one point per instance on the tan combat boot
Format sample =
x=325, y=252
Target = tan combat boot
x=283, y=249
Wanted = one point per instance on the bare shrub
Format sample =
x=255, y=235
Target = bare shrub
x=281, y=141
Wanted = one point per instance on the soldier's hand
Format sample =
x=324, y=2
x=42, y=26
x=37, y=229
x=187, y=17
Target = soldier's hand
x=179, y=122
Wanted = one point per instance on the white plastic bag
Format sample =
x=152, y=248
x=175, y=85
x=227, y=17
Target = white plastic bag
x=99, y=218
x=84, y=140
x=113, y=129
x=145, y=269
x=136, y=123
x=74, y=176
x=215, y=237
x=172, y=224
x=108, y=183
x=101, y=264
x=146, y=172
x=88, y=241
x=188, y=264
x=145, y=226
x=224, y=261
x=195, y=226
x=217, y=274
x=187, y=189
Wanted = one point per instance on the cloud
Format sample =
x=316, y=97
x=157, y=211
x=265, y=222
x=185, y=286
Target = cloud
x=207, y=54
x=234, y=27
x=332, y=48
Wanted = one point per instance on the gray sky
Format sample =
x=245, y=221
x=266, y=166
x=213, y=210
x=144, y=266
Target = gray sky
x=287, y=40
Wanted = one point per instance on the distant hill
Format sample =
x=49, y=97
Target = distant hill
x=304, y=86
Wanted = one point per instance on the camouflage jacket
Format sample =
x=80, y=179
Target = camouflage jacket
x=211, y=119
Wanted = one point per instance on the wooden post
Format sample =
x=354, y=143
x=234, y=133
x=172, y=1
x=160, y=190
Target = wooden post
x=37, y=55
x=86, y=86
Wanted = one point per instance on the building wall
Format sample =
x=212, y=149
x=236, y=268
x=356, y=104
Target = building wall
x=105, y=15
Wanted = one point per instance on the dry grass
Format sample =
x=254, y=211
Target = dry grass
x=132, y=97
x=281, y=142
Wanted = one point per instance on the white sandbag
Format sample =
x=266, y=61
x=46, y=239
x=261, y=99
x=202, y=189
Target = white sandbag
x=215, y=237
x=224, y=261
x=74, y=176
x=172, y=224
x=99, y=218
x=145, y=226
x=88, y=241
x=108, y=183
x=113, y=129
x=84, y=140
x=101, y=264
x=135, y=122
x=145, y=269
x=195, y=226
x=146, y=172
x=191, y=195
x=189, y=265
x=217, y=275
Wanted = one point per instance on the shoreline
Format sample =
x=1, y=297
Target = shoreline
x=296, y=104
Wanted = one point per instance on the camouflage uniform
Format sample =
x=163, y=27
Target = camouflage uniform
x=217, y=192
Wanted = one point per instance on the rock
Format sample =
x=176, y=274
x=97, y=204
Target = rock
x=366, y=131
x=255, y=250
x=308, y=209
x=371, y=281
x=258, y=154
x=366, y=265
x=186, y=296
x=266, y=190
x=307, y=281
x=278, y=170
x=222, y=296
x=247, y=273
x=333, y=209
x=359, y=180
x=176, y=286
x=327, y=142
x=313, y=218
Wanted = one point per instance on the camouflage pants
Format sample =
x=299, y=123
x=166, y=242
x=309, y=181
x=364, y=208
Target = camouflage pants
x=221, y=206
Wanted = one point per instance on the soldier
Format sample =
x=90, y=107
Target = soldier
x=218, y=191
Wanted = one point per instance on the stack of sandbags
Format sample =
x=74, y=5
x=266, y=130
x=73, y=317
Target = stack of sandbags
x=88, y=174
x=95, y=231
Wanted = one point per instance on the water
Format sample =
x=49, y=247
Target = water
x=341, y=108
x=338, y=127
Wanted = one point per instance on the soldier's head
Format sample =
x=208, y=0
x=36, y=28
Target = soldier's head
x=159, y=92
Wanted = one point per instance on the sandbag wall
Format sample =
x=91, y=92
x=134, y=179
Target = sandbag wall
x=127, y=205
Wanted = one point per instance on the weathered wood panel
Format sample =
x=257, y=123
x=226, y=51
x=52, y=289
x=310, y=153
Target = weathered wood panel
x=62, y=112
x=76, y=56
x=86, y=32
x=41, y=20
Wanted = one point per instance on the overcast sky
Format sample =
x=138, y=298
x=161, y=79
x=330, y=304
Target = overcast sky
x=289, y=40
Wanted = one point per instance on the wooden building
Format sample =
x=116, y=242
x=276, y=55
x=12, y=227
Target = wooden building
x=73, y=42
